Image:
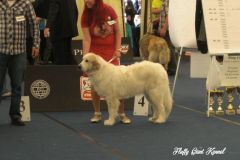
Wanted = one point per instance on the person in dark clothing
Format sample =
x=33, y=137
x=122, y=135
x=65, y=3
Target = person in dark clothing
x=130, y=12
x=41, y=9
x=62, y=26
x=130, y=16
x=29, y=44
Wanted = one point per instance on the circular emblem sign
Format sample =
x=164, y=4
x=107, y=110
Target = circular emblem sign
x=40, y=89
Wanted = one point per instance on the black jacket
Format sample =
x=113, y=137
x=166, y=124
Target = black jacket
x=62, y=19
x=41, y=8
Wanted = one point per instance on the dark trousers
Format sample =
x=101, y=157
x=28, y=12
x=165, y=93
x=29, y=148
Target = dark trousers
x=62, y=51
x=47, y=52
x=42, y=45
x=16, y=66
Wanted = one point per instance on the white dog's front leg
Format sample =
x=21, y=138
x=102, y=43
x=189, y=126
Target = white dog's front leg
x=113, y=105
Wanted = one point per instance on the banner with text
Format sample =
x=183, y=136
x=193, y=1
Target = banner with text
x=231, y=70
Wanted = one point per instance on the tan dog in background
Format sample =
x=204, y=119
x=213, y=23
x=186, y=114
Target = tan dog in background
x=115, y=83
x=155, y=49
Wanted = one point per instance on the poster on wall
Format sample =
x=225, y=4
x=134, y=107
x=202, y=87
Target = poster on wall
x=182, y=23
x=222, y=25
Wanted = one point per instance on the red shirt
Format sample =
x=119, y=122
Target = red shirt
x=103, y=37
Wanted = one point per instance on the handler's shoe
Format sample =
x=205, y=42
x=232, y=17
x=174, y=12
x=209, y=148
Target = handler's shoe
x=6, y=94
x=96, y=117
x=17, y=122
x=124, y=119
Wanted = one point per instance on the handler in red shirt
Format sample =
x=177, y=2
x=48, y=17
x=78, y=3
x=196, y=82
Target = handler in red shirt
x=101, y=35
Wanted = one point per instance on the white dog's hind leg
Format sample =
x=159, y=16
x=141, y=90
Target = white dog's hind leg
x=161, y=114
x=113, y=105
x=155, y=114
x=156, y=98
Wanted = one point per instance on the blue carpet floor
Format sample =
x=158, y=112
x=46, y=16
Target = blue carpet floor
x=70, y=135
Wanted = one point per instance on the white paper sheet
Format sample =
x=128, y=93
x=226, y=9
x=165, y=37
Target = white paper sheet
x=222, y=25
x=182, y=23
x=25, y=109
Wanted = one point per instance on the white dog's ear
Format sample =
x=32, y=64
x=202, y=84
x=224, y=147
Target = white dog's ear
x=95, y=64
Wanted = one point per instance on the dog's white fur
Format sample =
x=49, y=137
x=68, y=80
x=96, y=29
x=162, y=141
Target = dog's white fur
x=120, y=82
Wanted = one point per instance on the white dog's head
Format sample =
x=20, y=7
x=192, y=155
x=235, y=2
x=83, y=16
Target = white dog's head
x=90, y=63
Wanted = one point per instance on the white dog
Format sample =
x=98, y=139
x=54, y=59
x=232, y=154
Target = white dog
x=120, y=82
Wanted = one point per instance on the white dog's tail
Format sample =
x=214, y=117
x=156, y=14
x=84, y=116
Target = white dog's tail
x=168, y=102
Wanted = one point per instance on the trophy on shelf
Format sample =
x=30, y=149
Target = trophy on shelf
x=211, y=103
x=219, y=94
x=238, y=92
x=230, y=109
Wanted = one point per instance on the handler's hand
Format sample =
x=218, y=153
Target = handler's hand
x=163, y=32
x=35, y=52
x=117, y=53
x=46, y=32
